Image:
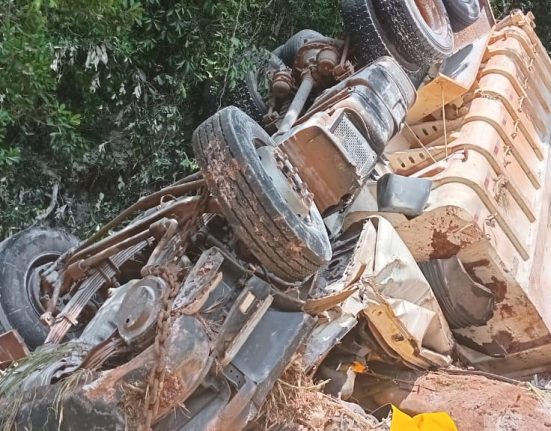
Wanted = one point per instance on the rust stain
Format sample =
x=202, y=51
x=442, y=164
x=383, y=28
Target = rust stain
x=506, y=311
x=492, y=349
x=442, y=247
x=172, y=389
x=109, y=385
x=471, y=267
x=498, y=288
x=506, y=340
x=477, y=263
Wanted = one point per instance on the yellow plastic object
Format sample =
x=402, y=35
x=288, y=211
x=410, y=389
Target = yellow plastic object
x=422, y=422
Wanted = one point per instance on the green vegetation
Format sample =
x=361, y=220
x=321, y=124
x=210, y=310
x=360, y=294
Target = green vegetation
x=98, y=98
x=540, y=8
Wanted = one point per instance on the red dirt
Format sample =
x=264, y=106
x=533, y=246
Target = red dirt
x=474, y=402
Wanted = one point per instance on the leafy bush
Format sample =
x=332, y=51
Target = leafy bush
x=100, y=97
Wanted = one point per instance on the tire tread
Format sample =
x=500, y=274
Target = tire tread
x=264, y=230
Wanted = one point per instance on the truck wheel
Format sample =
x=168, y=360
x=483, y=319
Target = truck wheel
x=462, y=12
x=371, y=41
x=419, y=29
x=21, y=258
x=288, y=51
x=260, y=195
x=249, y=93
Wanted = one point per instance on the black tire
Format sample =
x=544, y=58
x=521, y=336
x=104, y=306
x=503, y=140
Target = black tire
x=246, y=95
x=288, y=51
x=462, y=13
x=374, y=32
x=19, y=254
x=227, y=148
x=369, y=40
x=420, y=29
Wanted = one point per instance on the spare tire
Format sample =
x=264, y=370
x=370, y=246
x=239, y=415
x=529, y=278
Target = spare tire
x=21, y=257
x=379, y=28
x=462, y=12
x=248, y=94
x=259, y=199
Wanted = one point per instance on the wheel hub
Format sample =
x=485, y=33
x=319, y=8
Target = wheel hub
x=138, y=314
x=33, y=283
x=432, y=15
x=287, y=181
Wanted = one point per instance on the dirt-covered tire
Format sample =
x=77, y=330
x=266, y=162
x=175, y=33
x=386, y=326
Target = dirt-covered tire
x=370, y=40
x=462, y=12
x=396, y=28
x=419, y=29
x=246, y=94
x=20, y=256
x=267, y=215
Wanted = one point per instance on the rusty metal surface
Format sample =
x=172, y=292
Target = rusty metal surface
x=318, y=64
x=187, y=185
x=172, y=247
x=105, y=273
x=336, y=144
x=204, y=277
x=186, y=362
x=297, y=105
x=162, y=236
x=137, y=316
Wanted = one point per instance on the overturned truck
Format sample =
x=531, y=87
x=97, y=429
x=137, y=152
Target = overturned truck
x=381, y=211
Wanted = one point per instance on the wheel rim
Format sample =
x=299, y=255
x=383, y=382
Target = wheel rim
x=284, y=183
x=33, y=286
x=433, y=16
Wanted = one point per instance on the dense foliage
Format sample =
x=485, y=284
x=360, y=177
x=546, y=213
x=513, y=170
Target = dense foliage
x=98, y=98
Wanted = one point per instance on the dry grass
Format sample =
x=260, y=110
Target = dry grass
x=133, y=403
x=543, y=395
x=62, y=390
x=66, y=387
x=296, y=400
x=14, y=378
x=12, y=408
